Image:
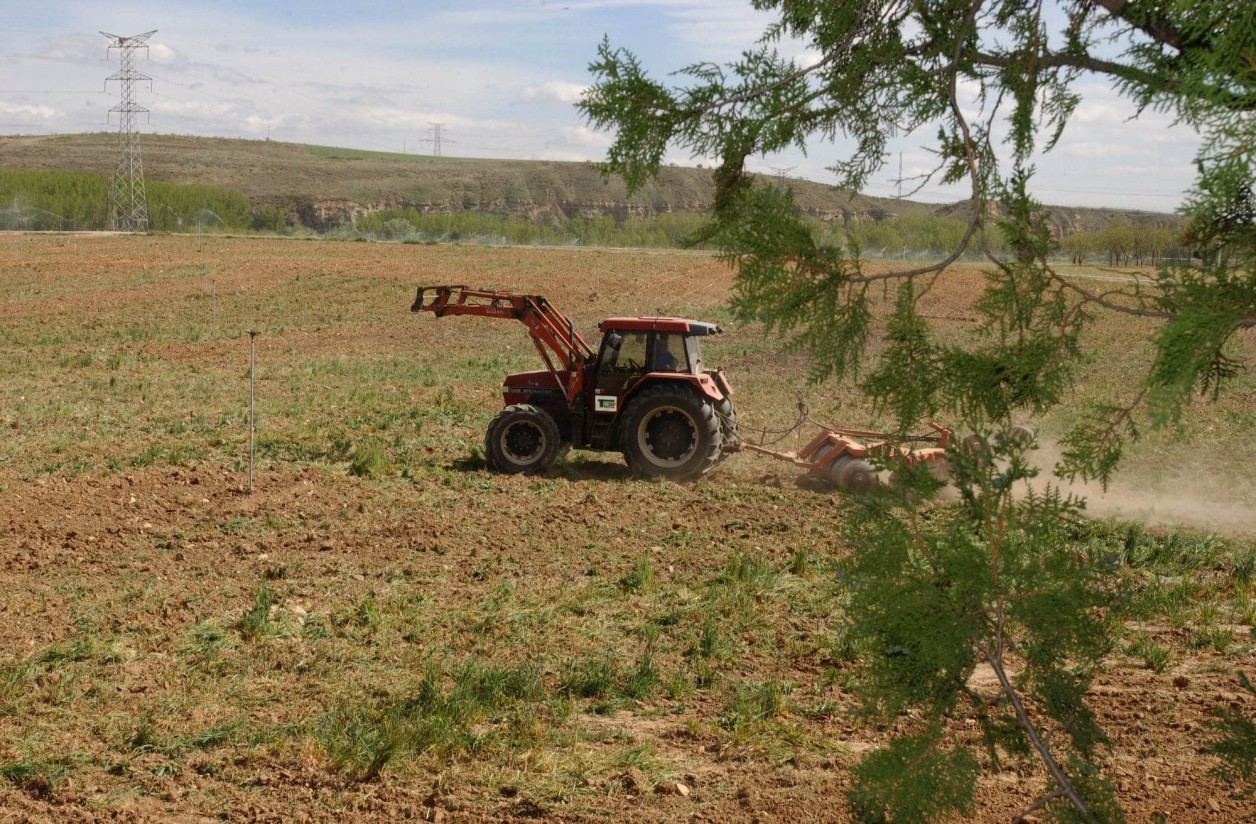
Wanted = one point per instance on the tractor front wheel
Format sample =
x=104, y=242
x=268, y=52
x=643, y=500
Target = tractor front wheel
x=671, y=431
x=522, y=439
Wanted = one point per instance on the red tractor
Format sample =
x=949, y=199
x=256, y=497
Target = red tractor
x=645, y=392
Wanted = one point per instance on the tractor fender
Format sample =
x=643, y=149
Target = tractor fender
x=703, y=383
x=721, y=382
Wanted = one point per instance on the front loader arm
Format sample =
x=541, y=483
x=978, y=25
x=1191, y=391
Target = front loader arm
x=553, y=333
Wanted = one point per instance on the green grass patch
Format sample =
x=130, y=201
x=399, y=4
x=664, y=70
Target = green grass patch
x=463, y=712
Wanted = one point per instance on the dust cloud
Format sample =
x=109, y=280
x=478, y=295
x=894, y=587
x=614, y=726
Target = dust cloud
x=1175, y=494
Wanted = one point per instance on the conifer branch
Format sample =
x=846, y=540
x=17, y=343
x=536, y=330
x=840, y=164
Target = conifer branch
x=1063, y=784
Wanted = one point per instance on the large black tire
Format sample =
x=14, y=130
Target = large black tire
x=671, y=431
x=727, y=414
x=522, y=439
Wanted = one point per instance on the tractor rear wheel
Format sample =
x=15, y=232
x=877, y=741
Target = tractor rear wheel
x=727, y=415
x=671, y=431
x=522, y=439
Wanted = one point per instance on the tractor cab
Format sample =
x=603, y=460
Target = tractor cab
x=634, y=348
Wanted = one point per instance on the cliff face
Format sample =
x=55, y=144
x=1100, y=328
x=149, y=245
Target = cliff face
x=330, y=214
x=333, y=213
x=1068, y=220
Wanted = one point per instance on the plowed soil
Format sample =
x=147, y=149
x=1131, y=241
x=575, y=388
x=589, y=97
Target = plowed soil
x=135, y=686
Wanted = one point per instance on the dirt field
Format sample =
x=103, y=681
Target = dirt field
x=383, y=630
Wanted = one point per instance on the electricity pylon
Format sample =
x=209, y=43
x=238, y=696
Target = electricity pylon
x=128, y=203
x=438, y=138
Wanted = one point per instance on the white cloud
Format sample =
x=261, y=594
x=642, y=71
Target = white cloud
x=554, y=91
x=396, y=119
x=73, y=49
x=808, y=58
x=588, y=138
x=261, y=125
x=23, y=110
x=163, y=55
x=716, y=30
x=1092, y=149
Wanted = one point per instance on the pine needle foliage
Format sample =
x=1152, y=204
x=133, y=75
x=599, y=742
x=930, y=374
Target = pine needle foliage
x=1000, y=581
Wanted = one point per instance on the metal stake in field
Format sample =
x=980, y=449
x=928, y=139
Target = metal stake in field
x=252, y=362
x=128, y=202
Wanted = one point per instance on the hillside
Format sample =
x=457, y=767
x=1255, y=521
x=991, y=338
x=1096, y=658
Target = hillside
x=327, y=188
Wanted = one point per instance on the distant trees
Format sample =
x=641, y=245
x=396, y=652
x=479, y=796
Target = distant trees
x=1079, y=246
x=1125, y=244
x=911, y=235
x=53, y=200
x=666, y=231
x=269, y=218
x=73, y=200
x=907, y=234
x=1120, y=243
x=176, y=207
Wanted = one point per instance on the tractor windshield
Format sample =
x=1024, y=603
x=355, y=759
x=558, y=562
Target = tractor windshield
x=623, y=353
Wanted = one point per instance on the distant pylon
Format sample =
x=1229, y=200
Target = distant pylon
x=438, y=138
x=128, y=203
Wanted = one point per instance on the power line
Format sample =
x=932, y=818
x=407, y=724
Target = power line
x=51, y=91
x=128, y=202
x=781, y=172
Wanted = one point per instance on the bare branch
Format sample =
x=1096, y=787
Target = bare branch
x=1101, y=299
x=1062, y=782
x=1084, y=62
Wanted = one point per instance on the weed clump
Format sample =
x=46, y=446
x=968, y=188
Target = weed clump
x=369, y=462
x=255, y=622
x=13, y=684
x=36, y=777
x=482, y=704
x=640, y=578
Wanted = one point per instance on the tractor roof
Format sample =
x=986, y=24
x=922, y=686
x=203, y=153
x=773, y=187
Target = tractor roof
x=677, y=325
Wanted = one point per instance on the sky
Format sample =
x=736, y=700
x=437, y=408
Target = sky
x=500, y=77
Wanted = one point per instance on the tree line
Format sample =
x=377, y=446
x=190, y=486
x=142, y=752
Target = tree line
x=1122, y=243
x=664, y=231
x=69, y=201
